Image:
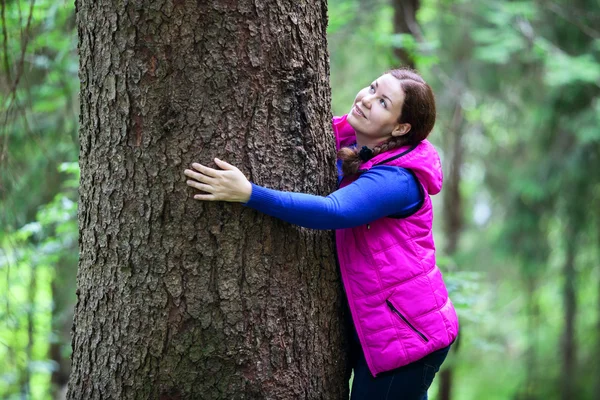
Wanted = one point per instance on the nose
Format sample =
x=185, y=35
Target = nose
x=366, y=100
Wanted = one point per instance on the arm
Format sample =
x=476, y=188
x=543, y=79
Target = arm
x=380, y=192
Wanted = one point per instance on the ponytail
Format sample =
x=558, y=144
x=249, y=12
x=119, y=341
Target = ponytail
x=352, y=158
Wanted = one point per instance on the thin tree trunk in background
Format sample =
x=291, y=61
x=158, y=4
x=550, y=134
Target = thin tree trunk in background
x=63, y=299
x=405, y=21
x=26, y=383
x=179, y=299
x=570, y=303
x=532, y=327
x=454, y=153
x=453, y=213
x=597, y=381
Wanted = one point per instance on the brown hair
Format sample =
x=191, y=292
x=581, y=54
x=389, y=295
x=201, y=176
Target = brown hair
x=418, y=110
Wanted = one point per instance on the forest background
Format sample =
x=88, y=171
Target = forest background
x=518, y=224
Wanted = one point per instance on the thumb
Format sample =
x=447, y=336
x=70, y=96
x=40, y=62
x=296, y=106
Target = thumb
x=223, y=165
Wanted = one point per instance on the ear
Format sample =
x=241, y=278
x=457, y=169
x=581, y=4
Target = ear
x=401, y=129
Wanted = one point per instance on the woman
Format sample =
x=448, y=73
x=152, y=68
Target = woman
x=404, y=321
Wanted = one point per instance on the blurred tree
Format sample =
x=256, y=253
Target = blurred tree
x=452, y=212
x=181, y=299
x=453, y=128
x=38, y=86
x=569, y=347
x=405, y=23
x=595, y=368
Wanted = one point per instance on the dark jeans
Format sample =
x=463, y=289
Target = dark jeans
x=409, y=382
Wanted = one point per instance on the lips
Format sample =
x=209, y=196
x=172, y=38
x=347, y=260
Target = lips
x=358, y=111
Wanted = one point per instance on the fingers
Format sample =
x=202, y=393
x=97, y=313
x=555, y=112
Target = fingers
x=217, y=184
x=198, y=176
x=200, y=186
x=213, y=173
x=223, y=165
x=208, y=197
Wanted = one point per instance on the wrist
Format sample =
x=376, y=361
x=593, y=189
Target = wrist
x=246, y=192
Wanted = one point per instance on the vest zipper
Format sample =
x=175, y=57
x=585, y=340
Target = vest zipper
x=398, y=313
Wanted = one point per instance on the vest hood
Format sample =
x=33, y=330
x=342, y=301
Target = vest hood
x=423, y=159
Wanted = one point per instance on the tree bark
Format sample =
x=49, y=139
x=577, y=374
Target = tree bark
x=179, y=299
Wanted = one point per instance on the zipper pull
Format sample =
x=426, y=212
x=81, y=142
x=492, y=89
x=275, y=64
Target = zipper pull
x=368, y=226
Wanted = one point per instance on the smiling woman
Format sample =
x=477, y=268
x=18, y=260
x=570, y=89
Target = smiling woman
x=404, y=321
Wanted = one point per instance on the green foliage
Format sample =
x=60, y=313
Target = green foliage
x=38, y=181
x=526, y=76
x=39, y=107
x=29, y=259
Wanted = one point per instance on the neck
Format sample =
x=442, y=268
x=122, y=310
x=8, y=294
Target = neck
x=363, y=140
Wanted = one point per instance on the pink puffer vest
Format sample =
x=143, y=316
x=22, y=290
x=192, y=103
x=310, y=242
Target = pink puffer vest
x=397, y=297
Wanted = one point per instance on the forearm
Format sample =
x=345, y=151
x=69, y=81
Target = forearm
x=306, y=210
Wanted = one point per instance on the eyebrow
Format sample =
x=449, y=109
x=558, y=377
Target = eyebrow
x=383, y=95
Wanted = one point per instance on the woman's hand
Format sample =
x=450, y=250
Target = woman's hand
x=227, y=184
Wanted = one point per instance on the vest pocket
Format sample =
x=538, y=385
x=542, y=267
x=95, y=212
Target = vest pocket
x=403, y=318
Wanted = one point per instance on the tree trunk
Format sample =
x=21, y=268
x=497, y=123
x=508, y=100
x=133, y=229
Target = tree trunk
x=453, y=214
x=533, y=322
x=179, y=299
x=405, y=21
x=597, y=382
x=452, y=200
x=63, y=300
x=26, y=376
x=570, y=304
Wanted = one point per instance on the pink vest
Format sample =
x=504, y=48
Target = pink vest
x=397, y=297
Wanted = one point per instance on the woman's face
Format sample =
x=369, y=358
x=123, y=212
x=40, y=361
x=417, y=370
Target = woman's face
x=376, y=109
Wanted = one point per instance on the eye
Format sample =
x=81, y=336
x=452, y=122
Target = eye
x=372, y=88
x=382, y=101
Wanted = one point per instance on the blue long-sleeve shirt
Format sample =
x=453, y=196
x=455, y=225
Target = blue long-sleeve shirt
x=382, y=191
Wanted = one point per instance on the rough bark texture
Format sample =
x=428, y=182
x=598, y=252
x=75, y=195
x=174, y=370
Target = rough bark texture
x=185, y=300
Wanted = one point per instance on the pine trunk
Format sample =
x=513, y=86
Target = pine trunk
x=179, y=299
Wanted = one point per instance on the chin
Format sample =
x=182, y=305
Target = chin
x=352, y=120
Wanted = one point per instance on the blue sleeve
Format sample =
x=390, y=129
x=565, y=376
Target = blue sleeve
x=380, y=192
